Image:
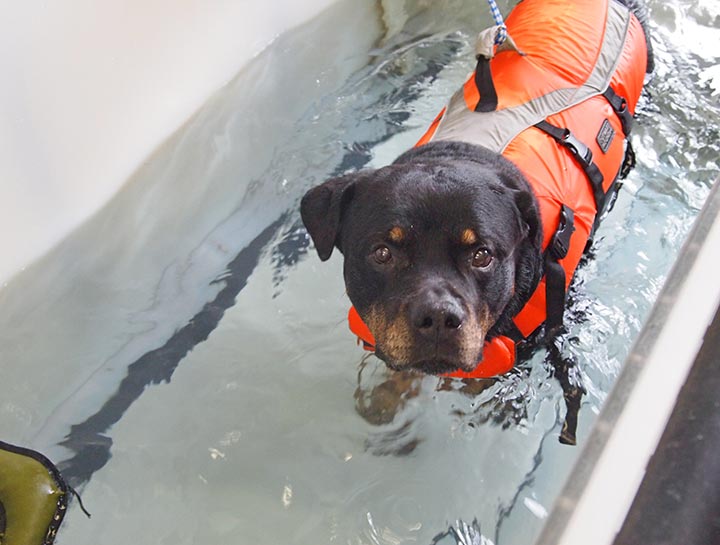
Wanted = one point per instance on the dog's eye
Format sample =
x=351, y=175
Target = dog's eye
x=382, y=254
x=482, y=258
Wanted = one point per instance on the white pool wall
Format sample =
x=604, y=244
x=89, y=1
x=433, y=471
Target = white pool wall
x=90, y=89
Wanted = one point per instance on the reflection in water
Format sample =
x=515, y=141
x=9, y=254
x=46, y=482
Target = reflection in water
x=87, y=439
x=231, y=404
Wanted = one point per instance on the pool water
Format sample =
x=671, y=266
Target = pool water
x=184, y=355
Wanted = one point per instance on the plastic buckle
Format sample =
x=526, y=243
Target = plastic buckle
x=578, y=149
x=560, y=243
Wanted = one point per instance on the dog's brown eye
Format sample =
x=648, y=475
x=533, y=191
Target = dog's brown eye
x=482, y=258
x=382, y=254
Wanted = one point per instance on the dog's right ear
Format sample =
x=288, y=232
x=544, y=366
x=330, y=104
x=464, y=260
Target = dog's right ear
x=322, y=208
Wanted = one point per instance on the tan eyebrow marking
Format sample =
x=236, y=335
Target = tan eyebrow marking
x=396, y=234
x=468, y=237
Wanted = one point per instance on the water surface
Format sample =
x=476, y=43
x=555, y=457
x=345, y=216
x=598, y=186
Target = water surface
x=184, y=356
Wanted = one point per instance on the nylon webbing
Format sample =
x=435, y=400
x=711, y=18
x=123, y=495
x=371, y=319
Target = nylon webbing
x=582, y=155
x=620, y=106
x=483, y=80
x=555, y=273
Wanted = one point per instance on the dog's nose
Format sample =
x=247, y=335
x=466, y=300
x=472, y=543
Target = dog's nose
x=437, y=316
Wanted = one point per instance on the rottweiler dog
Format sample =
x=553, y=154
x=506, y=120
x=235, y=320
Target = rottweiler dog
x=444, y=247
x=440, y=248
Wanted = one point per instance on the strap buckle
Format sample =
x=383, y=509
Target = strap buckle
x=579, y=150
x=581, y=154
x=560, y=242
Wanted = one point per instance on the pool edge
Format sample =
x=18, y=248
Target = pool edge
x=602, y=485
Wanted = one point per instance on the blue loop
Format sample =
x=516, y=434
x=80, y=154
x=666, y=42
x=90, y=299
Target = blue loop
x=501, y=35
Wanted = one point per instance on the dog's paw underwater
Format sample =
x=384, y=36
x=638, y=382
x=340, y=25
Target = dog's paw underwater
x=466, y=244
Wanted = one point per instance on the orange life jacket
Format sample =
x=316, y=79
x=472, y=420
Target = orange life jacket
x=561, y=112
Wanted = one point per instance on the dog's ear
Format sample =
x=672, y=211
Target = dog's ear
x=322, y=208
x=529, y=264
x=525, y=202
x=529, y=215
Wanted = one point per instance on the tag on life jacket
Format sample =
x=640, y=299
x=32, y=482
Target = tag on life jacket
x=605, y=136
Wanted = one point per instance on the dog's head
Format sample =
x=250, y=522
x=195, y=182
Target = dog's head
x=441, y=248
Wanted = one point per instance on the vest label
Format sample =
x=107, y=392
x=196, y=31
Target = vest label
x=605, y=136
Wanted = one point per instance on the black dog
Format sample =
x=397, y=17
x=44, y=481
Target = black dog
x=444, y=247
x=440, y=248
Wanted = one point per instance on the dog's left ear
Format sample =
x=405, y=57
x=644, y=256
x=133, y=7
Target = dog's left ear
x=529, y=268
x=321, y=209
x=530, y=215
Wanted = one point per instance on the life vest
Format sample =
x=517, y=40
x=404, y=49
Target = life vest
x=561, y=111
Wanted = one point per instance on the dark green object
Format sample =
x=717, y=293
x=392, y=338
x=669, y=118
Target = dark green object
x=33, y=497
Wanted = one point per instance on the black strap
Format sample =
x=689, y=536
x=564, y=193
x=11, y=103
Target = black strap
x=554, y=272
x=560, y=243
x=582, y=155
x=611, y=194
x=620, y=105
x=483, y=80
x=513, y=332
x=629, y=161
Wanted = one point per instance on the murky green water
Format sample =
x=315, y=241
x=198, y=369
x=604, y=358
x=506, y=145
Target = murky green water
x=185, y=357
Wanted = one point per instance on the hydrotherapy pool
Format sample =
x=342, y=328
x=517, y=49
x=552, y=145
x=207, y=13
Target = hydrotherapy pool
x=184, y=357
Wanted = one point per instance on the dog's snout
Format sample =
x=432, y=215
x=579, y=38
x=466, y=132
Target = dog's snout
x=437, y=315
x=437, y=318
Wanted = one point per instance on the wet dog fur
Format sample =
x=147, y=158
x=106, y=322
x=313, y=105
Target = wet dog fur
x=441, y=249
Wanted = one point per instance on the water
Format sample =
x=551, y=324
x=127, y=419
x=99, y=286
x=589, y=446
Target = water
x=184, y=355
